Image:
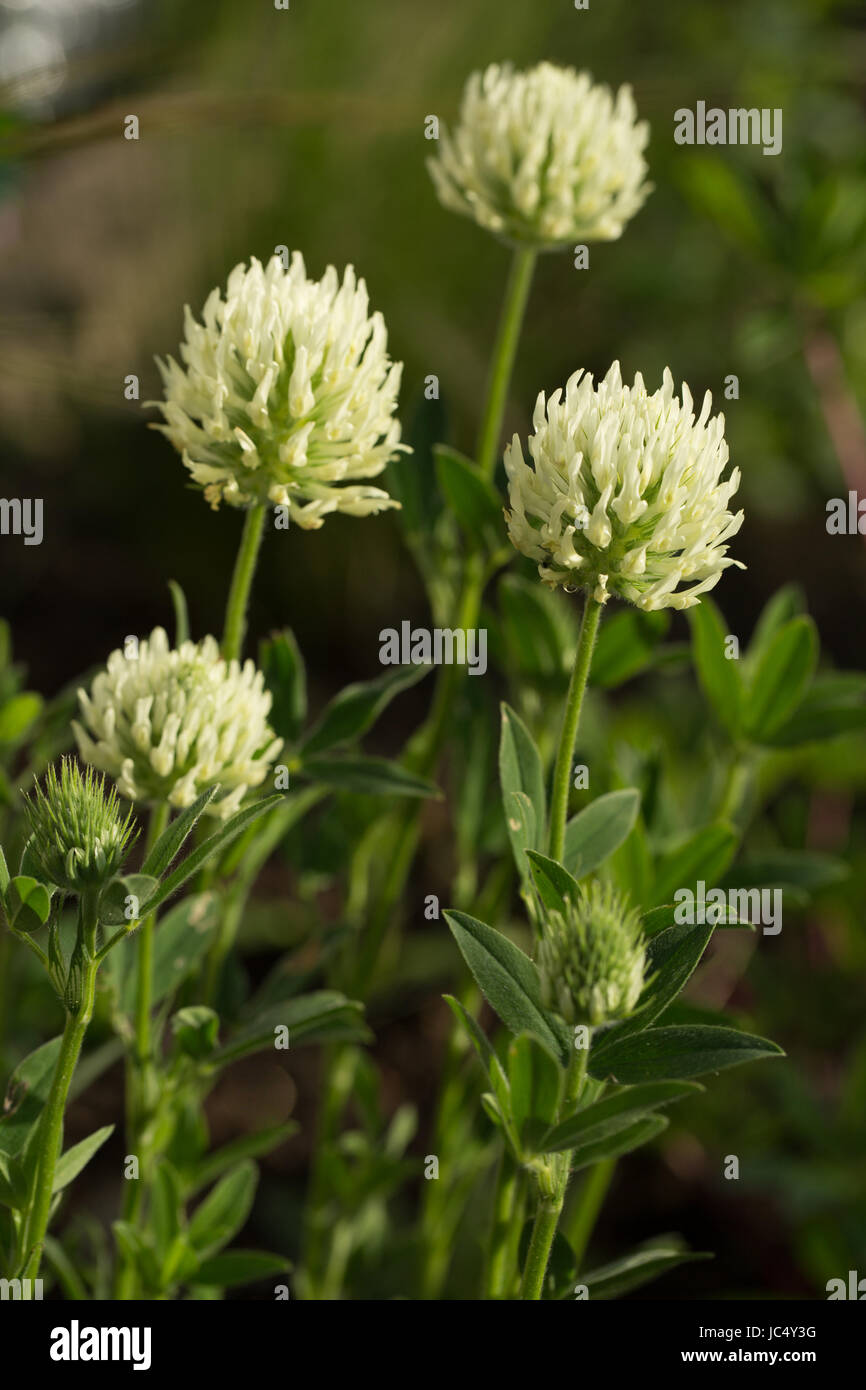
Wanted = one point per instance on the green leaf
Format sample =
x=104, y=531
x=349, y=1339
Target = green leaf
x=631, y=1271
x=781, y=677
x=479, y=1039
x=659, y=918
x=676, y=1053
x=535, y=1081
x=224, y=1210
x=180, y=942
x=802, y=869
x=196, y=1029
x=627, y=644
x=123, y=899
x=509, y=982
x=703, y=856
x=4, y=875
x=535, y=634
x=833, y=705
x=785, y=604
x=70, y=1164
x=234, y=1267
x=730, y=199
x=205, y=851
x=324, y=1014
x=368, y=777
x=17, y=715
x=351, y=713
x=26, y=1094
x=718, y=675
x=614, y=1113
x=170, y=841
x=472, y=500
x=255, y=1145
x=285, y=676
x=411, y=479
x=555, y=884
x=522, y=830
x=598, y=830
x=521, y=769
x=14, y=1189
x=624, y=1141
x=181, y=613
x=671, y=958
x=28, y=903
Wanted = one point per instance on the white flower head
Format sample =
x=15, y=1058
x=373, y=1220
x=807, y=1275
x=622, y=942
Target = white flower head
x=624, y=494
x=543, y=157
x=167, y=724
x=287, y=393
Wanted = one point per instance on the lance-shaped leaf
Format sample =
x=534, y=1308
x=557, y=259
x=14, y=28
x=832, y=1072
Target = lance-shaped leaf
x=599, y=829
x=282, y=666
x=521, y=770
x=614, y=1113
x=781, y=677
x=172, y=838
x=234, y=1267
x=718, y=675
x=322, y=1015
x=356, y=708
x=70, y=1164
x=205, y=851
x=26, y=1094
x=631, y=1271
x=535, y=1079
x=555, y=884
x=368, y=777
x=641, y=1131
x=509, y=982
x=676, y=1053
x=224, y=1210
x=702, y=856
x=474, y=501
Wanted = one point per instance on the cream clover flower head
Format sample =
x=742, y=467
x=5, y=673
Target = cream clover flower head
x=543, y=157
x=287, y=393
x=591, y=958
x=167, y=724
x=624, y=494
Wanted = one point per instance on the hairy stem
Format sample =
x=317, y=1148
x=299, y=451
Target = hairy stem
x=50, y=1134
x=570, y=722
x=242, y=579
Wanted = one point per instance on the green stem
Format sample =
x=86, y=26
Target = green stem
x=504, y=353
x=242, y=579
x=139, y=1063
x=550, y=1202
x=543, y=1230
x=499, y=1267
x=570, y=722
x=50, y=1134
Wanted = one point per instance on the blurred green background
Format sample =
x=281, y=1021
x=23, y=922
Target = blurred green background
x=305, y=128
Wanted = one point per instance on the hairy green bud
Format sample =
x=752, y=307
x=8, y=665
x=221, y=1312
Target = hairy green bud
x=79, y=837
x=591, y=958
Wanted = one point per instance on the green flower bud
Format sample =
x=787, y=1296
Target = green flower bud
x=591, y=958
x=79, y=836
